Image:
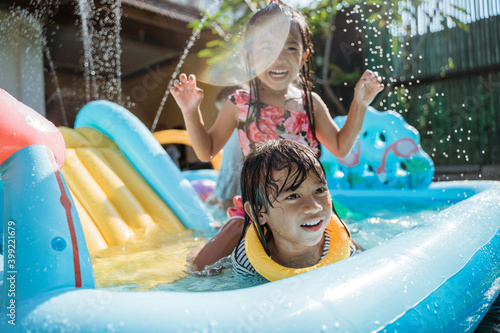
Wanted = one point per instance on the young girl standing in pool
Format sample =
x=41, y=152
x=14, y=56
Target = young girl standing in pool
x=280, y=102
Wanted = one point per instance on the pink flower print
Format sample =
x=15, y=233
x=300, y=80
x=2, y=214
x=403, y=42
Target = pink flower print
x=266, y=132
x=242, y=115
x=244, y=142
x=296, y=122
x=310, y=138
x=241, y=98
x=273, y=115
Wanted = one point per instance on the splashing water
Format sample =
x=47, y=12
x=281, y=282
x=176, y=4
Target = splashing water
x=101, y=32
x=21, y=53
x=190, y=43
x=392, y=39
x=52, y=71
x=84, y=7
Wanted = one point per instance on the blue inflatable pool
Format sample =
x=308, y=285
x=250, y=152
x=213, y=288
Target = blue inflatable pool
x=442, y=275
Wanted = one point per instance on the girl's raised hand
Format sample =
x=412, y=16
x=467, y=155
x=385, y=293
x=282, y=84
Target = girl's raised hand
x=368, y=86
x=187, y=95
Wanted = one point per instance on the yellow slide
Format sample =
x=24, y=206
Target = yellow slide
x=117, y=206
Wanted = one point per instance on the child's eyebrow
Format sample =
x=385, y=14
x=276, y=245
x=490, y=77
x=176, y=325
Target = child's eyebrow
x=289, y=189
x=321, y=182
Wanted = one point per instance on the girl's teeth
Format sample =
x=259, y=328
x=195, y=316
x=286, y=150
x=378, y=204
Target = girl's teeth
x=311, y=223
x=278, y=73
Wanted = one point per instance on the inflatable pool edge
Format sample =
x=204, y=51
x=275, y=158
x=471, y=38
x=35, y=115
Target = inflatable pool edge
x=439, y=276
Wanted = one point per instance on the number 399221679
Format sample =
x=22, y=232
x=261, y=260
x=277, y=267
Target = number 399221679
x=11, y=245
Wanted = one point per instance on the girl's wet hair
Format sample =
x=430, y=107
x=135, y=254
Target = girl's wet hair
x=298, y=21
x=259, y=187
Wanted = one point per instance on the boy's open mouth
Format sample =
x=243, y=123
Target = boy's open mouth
x=312, y=225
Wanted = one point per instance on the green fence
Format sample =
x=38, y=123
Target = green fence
x=451, y=92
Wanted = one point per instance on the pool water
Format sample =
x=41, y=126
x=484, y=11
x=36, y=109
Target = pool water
x=159, y=258
x=372, y=222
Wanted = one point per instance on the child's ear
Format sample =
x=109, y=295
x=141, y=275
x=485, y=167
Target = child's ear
x=248, y=210
x=262, y=218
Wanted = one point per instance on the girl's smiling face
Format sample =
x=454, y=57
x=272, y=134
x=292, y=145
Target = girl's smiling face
x=298, y=218
x=284, y=70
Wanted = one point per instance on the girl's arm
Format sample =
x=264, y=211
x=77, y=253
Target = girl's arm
x=206, y=143
x=220, y=246
x=340, y=142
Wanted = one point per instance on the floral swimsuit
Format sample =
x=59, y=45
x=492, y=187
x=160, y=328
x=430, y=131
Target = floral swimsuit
x=274, y=123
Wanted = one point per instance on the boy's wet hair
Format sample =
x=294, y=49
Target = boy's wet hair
x=259, y=187
x=298, y=21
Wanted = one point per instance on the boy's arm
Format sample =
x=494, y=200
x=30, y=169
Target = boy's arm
x=206, y=143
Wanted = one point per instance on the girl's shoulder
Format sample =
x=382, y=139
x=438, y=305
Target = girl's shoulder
x=318, y=103
x=316, y=98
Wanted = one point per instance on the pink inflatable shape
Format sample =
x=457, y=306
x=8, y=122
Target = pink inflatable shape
x=21, y=126
x=404, y=147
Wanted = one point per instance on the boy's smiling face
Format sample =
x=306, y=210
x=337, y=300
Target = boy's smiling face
x=298, y=218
